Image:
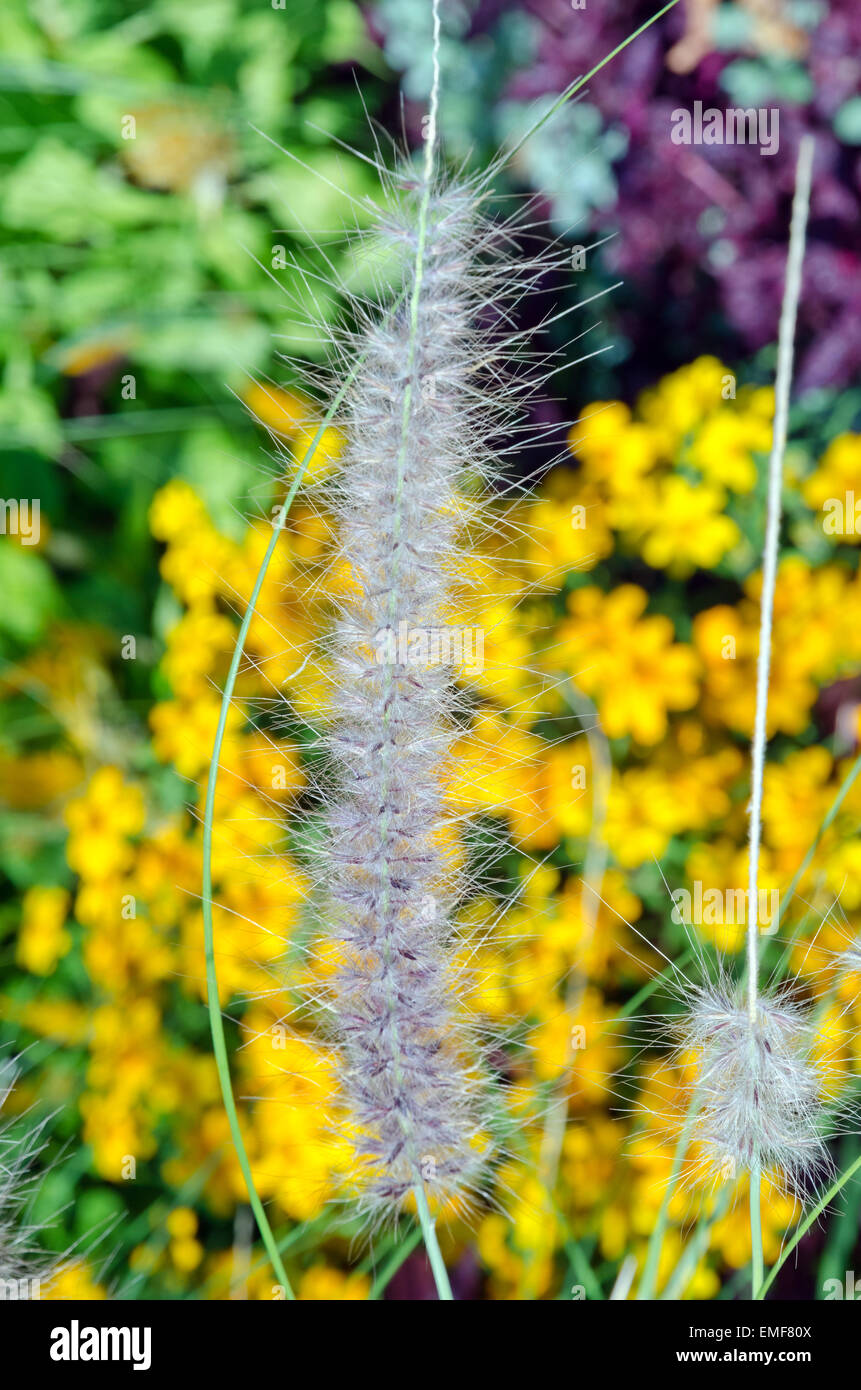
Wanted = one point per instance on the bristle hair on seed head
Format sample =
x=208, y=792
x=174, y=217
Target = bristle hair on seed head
x=24, y=1268
x=431, y=392
x=437, y=371
x=410, y=1076
x=757, y=1091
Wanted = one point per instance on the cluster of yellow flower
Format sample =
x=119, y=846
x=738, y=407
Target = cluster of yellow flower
x=653, y=486
x=137, y=902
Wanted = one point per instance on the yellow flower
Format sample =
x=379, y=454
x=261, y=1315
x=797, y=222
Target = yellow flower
x=835, y=487
x=682, y=401
x=291, y=414
x=324, y=454
x=175, y=510
x=199, y=647
x=298, y=1158
x=498, y=667
x=197, y=559
x=77, y=358
x=604, y=948
x=324, y=1284
x=41, y=938
x=805, y=650
x=181, y=1222
x=567, y=532
x=186, y=1251
x=73, y=1281
x=496, y=767
x=628, y=662
x=120, y=950
x=796, y=796
x=700, y=781
x=567, y=781
x=724, y=446
x=843, y=873
x=184, y=732
x=33, y=780
x=642, y=816
x=676, y=525
x=616, y=452
x=578, y=1047
x=272, y=765
x=195, y=563
x=731, y=1233
x=281, y=411
x=100, y=821
x=722, y=865
x=494, y=1250
x=58, y=1019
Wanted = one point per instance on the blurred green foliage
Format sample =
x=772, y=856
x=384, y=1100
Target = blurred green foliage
x=141, y=186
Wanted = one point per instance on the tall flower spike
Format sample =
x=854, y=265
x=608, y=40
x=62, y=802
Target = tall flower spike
x=411, y=1073
x=758, y=1094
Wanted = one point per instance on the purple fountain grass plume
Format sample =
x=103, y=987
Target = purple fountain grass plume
x=442, y=374
x=744, y=1094
x=417, y=422
x=438, y=372
x=758, y=1087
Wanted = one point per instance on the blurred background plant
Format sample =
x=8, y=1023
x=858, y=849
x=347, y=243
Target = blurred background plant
x=144, y=217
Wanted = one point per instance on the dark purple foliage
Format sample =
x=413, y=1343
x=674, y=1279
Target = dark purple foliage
x=703, y=228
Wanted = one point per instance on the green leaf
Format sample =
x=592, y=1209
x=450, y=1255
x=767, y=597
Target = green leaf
x=31, y=596
x=59, y=193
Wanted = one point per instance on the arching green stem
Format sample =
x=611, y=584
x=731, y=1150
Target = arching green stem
x=216, y=1022
x=437, y=1264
